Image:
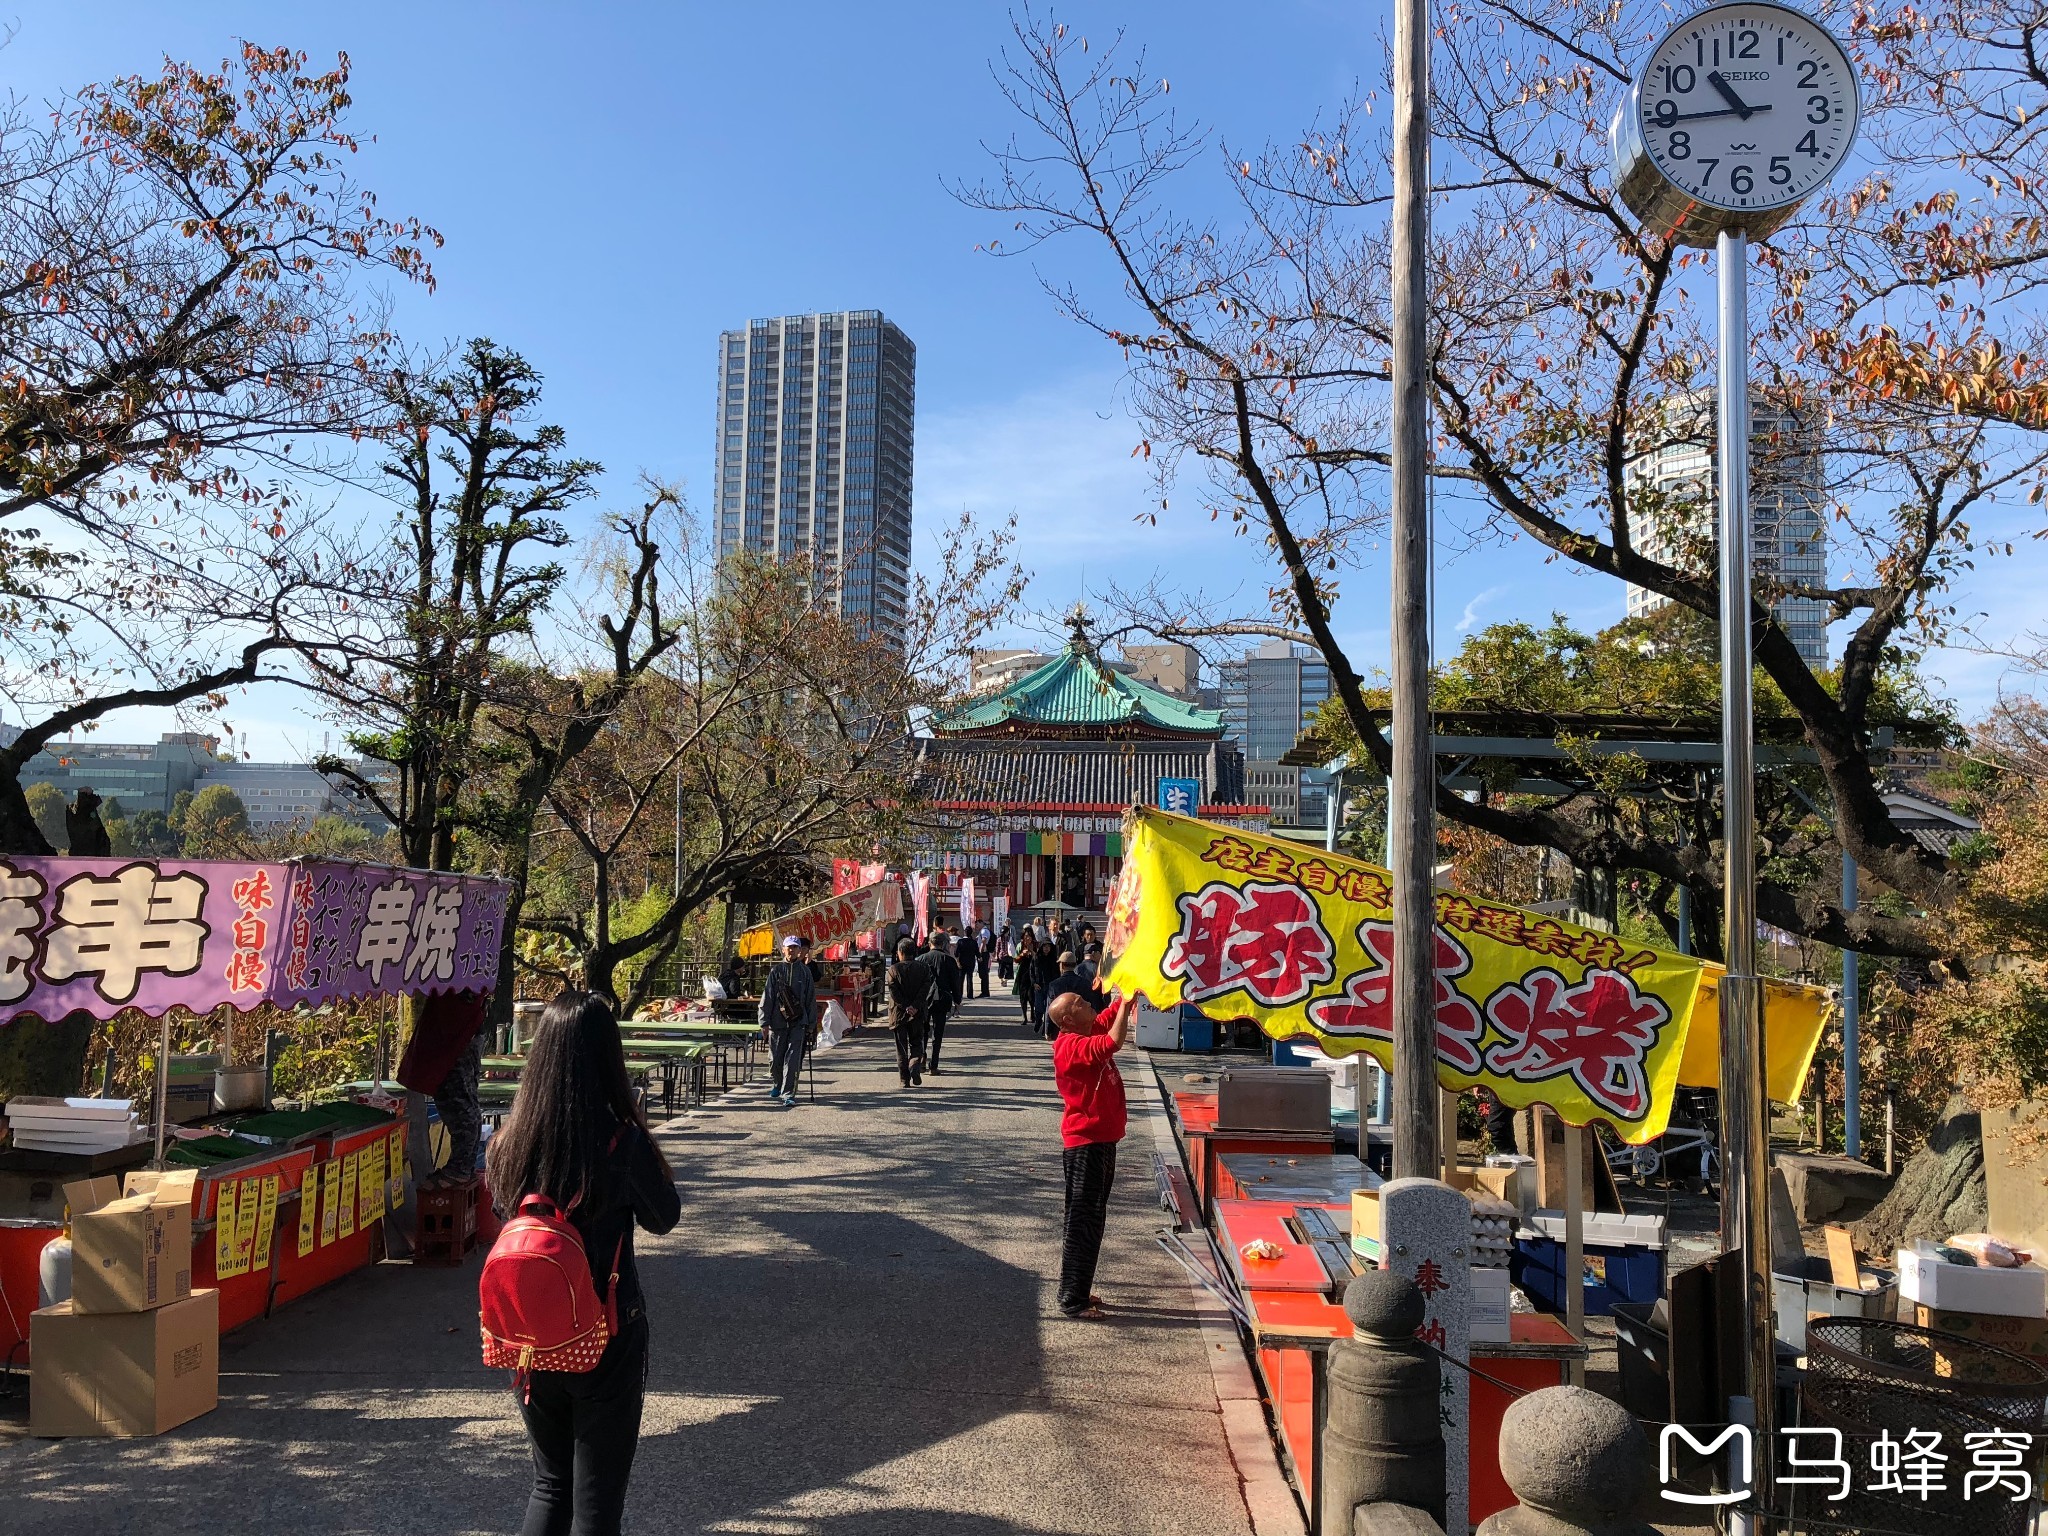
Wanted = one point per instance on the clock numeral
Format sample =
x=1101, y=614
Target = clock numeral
x=1678, y=78
x=1680, y=145
x=1741, y=178
x=1665, y=113
x=1781, y=171
x=1745, y=44
x=1806, y=146
x=1817, y=110
x=1707, y=164
x=1809, y=70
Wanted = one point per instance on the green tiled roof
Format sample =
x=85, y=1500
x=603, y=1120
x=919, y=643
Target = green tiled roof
x=1075, y=693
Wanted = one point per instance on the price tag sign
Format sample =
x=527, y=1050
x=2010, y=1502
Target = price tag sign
x=266, y=1223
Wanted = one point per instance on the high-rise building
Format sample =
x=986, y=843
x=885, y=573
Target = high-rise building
x=1787, y=508
x=1267, y=698
x=815, y=450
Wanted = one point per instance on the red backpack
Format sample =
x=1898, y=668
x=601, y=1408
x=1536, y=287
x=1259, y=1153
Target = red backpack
x=538, y=1308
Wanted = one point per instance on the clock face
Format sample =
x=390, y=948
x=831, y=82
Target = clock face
x=1747, y=106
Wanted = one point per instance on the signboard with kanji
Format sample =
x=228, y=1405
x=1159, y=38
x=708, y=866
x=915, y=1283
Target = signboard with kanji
x=102, y=935
x=1181, y=796
x=1538, y=1010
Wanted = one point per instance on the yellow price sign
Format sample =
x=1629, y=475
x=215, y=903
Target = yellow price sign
x=224, y=1229
x=309, y=1207
x=266, y=1223
x=330, y=1201
x=347, y=1204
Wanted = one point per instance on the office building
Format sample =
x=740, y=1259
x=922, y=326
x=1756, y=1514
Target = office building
x=815, y=441
x=1267, y=698
x=139, y=777
x=1787, y=509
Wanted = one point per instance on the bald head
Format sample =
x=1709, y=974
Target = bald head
x=1070, y=1011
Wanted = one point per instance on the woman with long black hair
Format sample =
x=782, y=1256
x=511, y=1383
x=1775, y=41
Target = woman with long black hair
x=576, y=1136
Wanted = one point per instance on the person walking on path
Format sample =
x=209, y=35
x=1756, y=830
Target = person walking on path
x=984, y=953
x=576, y=1136
x=1045, y=970
x=967, y=952
x=1091, y=1124
x=1068, y=979
x=1024, y=979
x=946, y=982
x=788, y=1002
x=911, y=984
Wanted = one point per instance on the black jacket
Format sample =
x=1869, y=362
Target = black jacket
x=911, y=983
x=635, y=1189
x=945, y=978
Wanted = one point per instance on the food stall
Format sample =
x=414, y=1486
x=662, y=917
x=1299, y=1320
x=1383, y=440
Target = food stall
x=282, y=1201
x=1587, y=1025
x=834, y=927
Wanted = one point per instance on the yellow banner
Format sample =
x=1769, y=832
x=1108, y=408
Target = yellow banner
x=1537, y=1010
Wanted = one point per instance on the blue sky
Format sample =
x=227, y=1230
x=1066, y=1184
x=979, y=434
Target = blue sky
x=619, y=183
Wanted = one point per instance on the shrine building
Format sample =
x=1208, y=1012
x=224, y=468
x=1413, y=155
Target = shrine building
x=1032, y=778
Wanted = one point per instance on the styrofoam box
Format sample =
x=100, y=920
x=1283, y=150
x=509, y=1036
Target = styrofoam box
x=1932, y=1282
x=1605, y=1228
x=1490, y=1306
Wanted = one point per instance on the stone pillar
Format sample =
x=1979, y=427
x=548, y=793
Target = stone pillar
x=1383, y=1439
x=1580, y=1465
x=1426, y=1237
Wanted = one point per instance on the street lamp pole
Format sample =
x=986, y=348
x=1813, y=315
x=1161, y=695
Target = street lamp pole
x=1412, y=854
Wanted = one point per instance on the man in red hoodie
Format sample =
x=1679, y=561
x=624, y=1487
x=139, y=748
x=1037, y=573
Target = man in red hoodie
x=1092, y=1091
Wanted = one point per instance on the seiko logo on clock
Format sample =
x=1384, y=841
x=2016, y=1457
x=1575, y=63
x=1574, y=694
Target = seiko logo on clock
x=1745, y=74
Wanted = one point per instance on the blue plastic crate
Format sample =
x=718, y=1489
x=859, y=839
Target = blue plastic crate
x=1197, y=1029
x=1613, y=1272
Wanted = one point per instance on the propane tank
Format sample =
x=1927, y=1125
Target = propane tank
x=53, y=1273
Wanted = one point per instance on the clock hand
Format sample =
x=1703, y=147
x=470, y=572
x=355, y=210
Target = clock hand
x=1693, y=117
x=1742, y=108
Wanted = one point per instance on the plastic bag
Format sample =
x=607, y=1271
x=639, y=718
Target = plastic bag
x=1989, y=1251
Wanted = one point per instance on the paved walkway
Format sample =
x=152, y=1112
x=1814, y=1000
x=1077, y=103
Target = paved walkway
x=854, y=1334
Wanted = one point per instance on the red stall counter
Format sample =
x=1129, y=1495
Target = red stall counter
x=21, y=1256
x=319, y=1220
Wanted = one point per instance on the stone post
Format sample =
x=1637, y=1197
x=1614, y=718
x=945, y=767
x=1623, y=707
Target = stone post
x=1383, y=1439
x=1426, y=1237
x=1580, y=1465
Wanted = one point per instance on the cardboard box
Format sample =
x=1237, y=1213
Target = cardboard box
x=131, y=1252
x=123, y=1373
x=1365, y=1223
x=1927, y=1280
x=2022, y=1335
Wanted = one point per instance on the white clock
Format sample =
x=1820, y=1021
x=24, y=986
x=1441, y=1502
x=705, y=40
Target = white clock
x=1743, y=111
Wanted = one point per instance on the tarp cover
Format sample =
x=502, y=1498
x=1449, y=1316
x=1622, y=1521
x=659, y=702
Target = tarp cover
x=1538, y=1010
x=102, y=935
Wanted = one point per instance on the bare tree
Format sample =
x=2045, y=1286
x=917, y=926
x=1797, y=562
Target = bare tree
x=178, y=314
x=1564, y=355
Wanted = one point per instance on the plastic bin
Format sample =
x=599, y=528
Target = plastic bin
x=1804, y=1287
x=1197, y=1029
x=1613, y=1272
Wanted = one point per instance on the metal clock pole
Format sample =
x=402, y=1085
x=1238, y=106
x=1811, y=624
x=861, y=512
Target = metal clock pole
x=1411, y=787
x=1745, y=1139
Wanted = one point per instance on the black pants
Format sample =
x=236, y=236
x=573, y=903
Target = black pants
x=910, y=1047
x=786, y=1047
x=1090, y=1170
x=937, y=1036
x=584, y=1429
x=1025, y=999
x=982, y=971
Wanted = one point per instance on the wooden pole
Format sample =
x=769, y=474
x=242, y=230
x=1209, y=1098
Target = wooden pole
x=1575, y=1242
x=1411, y=857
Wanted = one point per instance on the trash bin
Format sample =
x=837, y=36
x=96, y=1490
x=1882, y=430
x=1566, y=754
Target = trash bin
x=1890, y=1386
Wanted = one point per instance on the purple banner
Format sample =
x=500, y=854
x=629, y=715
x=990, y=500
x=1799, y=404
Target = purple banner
x=103, y=935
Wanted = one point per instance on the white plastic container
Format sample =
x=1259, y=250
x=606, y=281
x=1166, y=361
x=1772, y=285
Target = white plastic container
x=1490, y=1309
x=1929, y=1280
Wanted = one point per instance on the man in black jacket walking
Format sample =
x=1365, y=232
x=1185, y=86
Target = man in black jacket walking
x=945, y=992
x=910, y=987
x=967, y=954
